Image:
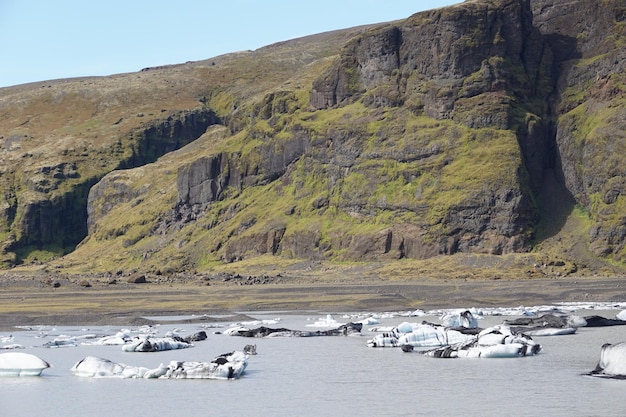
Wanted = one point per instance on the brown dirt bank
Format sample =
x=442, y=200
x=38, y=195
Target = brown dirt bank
x=32, y=302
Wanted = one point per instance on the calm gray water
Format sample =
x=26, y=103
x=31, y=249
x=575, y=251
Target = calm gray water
x=324, y=376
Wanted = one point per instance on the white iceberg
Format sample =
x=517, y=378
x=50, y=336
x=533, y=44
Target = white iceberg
x=428, y=336
x=12, y=346
x=95, y=367
x=120, y=338
x=329, y=321
x=155, y=344
x=227, y=366
x=550, y=331
x=494, y=342
x=418, y=335
x=61, y=341
x=463, y=318
x=612, y=362
x=21, y=364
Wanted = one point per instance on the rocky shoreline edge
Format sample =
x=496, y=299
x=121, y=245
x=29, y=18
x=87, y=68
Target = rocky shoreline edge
x=31, y=302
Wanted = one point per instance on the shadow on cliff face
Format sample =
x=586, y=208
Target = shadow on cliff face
x=556, y=205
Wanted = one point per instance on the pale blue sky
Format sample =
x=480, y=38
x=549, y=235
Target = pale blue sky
x=49, y=39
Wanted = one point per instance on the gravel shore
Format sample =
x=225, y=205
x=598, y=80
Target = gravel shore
x=27, y=303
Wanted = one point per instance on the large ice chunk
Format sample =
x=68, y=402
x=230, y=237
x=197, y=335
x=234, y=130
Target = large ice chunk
x=418, y=335
x=95, y=367
x=226, y=366
x=612, y=362
x=155, y=344
x=21, y=364
x=494, y=342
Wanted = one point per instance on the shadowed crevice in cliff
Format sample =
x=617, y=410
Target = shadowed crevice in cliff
x=556, y=205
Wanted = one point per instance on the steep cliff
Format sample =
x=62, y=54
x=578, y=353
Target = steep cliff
x=451, y=131
x=589, y=111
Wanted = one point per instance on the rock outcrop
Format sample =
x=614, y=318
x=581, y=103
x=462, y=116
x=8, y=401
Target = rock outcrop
x=429, y=136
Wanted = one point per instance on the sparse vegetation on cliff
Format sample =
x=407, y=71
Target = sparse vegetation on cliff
x=447, y=133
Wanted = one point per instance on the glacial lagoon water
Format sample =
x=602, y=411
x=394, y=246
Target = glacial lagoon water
x=322, y=376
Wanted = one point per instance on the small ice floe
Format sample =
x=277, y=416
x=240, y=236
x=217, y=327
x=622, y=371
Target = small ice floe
x=621, y=315
x=120, y=338
x=546, y=325
x=155, y=344
x=369, y=321
x=494, y=342
x=226, y=366
x=61, y=341
x=349, y=329
x=265, y=322
x=416, y=313
x=381, y=329
x=463, y=318
x=612, y=363
x=21, y=364
x=328, y=321
x=235, y=330
x=12, y=346
x=418, y=335
x=174, y=333
x=94, y=367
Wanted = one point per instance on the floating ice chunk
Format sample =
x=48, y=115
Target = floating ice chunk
x=61, y=341
x=12, y=346
x=462, y=318
x=155, y=344
x=511, y=350
x=405, y=327
x=494, y=342
x=621, y=315
x=236, y=330
x=612, y=362
x=264, y=322
x=417, y=313
x=329, y=321
x=156, y=372
x=426, y=335
x=381, y=328
x=550, y=331
x=21, y=364
x=417, y=335
x=369, y=321
x=227, y=366
x=348, y=329
x=120, y=338
x=575, y=321
x=94, y=367
x=387, y=339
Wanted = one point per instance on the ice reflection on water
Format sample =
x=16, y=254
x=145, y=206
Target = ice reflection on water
x=324, y=376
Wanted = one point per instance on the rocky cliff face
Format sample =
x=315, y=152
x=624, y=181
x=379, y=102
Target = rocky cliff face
x=589, y=112
x=429, y=136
